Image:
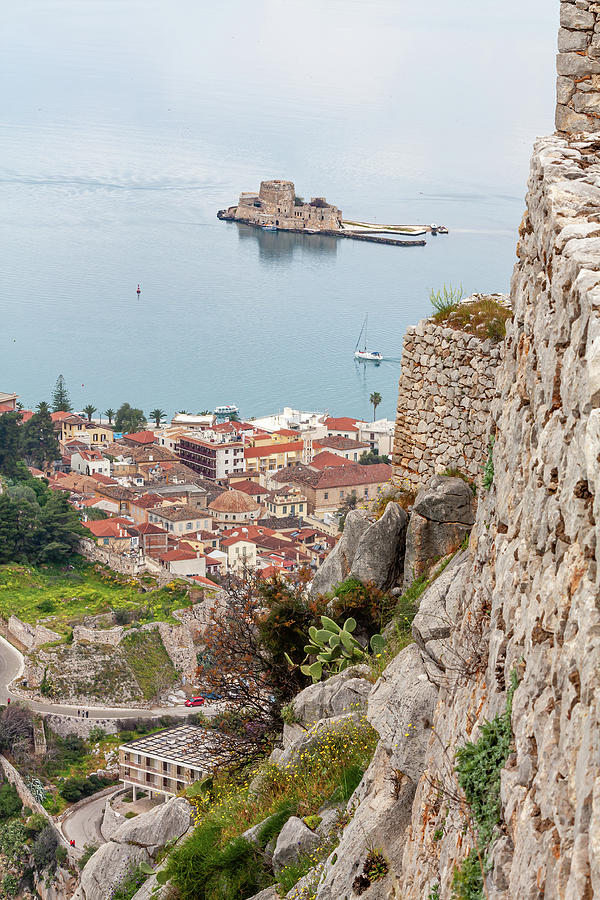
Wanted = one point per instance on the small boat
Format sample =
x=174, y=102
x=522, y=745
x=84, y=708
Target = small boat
x=225, y=410
x=268, y=227
x=372, y=355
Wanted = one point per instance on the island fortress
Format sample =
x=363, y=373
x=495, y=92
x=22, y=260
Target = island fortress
x=276, y=204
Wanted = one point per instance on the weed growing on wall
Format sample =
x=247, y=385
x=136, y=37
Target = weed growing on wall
x=488, y=469
x=478, y=768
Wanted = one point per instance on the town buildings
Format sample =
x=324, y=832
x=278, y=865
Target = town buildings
x=201, y=498
x=215, y=458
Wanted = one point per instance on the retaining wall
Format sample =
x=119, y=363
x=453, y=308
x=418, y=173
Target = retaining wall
x=445, y=392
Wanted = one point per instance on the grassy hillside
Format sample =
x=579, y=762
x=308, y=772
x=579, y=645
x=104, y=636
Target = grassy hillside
x=63, y=596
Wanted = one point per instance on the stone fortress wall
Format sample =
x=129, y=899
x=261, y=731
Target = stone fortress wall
x=446, y=388
x=578, y=67
x=275, y=205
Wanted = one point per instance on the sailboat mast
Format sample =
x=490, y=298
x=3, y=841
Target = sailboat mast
x=360, y=335
x=366, y=327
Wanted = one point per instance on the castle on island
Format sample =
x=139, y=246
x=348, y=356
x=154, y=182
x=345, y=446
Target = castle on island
x=277, y=206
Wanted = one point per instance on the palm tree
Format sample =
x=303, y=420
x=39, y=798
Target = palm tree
x=89, y=410
x=43, y=409
x=182, y=412
x=110, y=413
x=158, y=415
x=375, y=399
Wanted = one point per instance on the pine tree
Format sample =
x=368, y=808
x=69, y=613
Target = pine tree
x=10, y=438
x=61, y=402
x=39, y=445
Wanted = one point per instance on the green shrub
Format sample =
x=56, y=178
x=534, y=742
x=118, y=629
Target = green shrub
x=291, y=875
x=10, y=802
x=88, y=852
x=96, y=734
x=446, y=299
x=36, y=823
x=275, y=823
x=204, y=868
x=10, y=885
x=131, y=882
x=61, y=854
x=312, y=822
x=130, y=815
x=467, y=881
x=44, y=847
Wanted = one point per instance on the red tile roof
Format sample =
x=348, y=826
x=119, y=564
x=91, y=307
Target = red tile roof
x=174, y=555
x=328, y=460
x=102, y=479
x=205, y=582
x=250, y=487
x=141, y=437
x=228, y=542
x=341, y=443
x=344, y=423
x=26, y=415
x=146, y=528
x=341, y=476
x=116, y=528
x=146, y=501
x=60, y=416
x=348, y=476
x=272, y=449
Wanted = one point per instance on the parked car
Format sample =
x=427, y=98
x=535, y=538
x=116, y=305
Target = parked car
x=194, y=701
x=211, y=695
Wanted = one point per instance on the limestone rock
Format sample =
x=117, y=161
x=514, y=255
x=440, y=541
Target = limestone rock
x=427, y=542
x=336, y=567
x=445, y=500
x=379, y=820
x=343, y=693
x=107, y=867
x=379, y=557
x=269, y=893
x=295, y=838
x=439, y=604
x=401, y=707
x=153, y=829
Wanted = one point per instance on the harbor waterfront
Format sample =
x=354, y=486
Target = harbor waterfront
x=104, y=187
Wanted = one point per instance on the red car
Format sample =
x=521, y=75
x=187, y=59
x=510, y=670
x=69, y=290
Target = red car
x=194, y=701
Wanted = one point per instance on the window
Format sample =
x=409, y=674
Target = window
x=366, y=492
x=188, y=526
x=341, y=494
x=105, y=541
x=285, y=509
x=326, y=495
x=300, y=507
x=355, y=456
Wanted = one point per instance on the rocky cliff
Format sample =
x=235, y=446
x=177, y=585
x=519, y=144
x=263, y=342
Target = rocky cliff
x=510, y=632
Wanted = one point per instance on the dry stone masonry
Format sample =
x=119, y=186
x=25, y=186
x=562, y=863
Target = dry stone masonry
x=578, y=66
x=444, y=396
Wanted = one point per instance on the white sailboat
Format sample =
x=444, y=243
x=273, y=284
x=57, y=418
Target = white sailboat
x=373, y=355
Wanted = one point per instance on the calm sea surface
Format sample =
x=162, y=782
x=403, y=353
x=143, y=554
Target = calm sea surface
x=125, y=126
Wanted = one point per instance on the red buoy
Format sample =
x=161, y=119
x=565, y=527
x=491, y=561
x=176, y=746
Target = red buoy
x=138, y=292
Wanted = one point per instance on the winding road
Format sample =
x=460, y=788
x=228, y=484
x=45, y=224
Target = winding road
x=82, y=825
x=12, y=664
